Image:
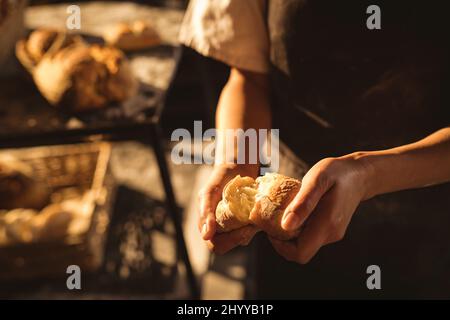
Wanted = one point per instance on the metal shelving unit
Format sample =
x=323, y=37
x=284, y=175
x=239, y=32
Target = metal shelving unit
x=27, y=120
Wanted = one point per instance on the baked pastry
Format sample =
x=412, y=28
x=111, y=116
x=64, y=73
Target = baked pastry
x=275, y=192
x=18, y=188
x=46, y=40
x=238, y=200
x=75, y=75
x=16, y=226
x=132, y=36
x=56, y=221
x=85, y=77
x=260, y=202
x=41, y=42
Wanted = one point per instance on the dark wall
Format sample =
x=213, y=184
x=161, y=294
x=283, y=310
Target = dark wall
x=195, y=92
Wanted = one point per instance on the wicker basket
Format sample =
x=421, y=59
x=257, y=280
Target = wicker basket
x=70, y=170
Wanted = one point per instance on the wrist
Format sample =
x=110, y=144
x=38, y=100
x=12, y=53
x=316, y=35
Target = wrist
x=366, y=162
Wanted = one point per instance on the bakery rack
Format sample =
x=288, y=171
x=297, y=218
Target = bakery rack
x=26, y=120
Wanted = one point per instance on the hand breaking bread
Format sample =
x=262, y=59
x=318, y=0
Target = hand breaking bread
x=133, y=36
x=260, y=202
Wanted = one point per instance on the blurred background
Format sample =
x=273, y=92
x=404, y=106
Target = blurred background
x=85, y=174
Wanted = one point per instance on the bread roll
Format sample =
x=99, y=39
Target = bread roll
x=18, y=188
x=260, y=202
x=275, y=192
x=55, y=222
x=237, y=202
x=137, y=35
x=16, y=226
x=75, y=75
x=41, y=42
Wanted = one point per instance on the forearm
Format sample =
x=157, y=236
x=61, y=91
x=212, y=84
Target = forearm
x=423, y=163
x=243, y=104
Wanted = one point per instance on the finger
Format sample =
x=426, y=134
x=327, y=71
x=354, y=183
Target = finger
x=313, y=187
x=224, y=242
x=286, y=249
x=247, y=234
x=315, y=233
x=208, y=200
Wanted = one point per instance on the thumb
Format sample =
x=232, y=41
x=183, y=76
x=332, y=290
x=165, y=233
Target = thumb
x=208, y=200
x=314, y=186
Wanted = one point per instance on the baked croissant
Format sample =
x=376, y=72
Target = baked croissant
x=260, y=202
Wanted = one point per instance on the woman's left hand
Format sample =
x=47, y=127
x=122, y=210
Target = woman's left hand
x=329, y=195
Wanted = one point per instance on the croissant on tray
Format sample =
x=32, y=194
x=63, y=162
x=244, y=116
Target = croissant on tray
x=260, y=202
x=73, y=74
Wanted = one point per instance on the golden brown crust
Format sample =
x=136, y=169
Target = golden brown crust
x=70, y=73
x=18, y=189
x=120, y=83
x=273, y=193
x=132, y=36
x=40, y=42
x=45, y=41
x=269, y=209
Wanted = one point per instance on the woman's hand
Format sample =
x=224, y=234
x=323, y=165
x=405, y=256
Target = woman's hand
x=330, y=193
x=208, y=199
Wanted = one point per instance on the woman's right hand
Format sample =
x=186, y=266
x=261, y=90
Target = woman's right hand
x=209, y=197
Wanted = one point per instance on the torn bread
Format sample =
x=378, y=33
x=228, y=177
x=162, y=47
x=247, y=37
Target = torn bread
x=260, y=202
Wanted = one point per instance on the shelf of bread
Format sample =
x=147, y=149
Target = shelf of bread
x=54, y=208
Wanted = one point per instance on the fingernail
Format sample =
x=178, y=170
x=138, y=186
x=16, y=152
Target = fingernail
x=204, y=229
x=291, y=221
